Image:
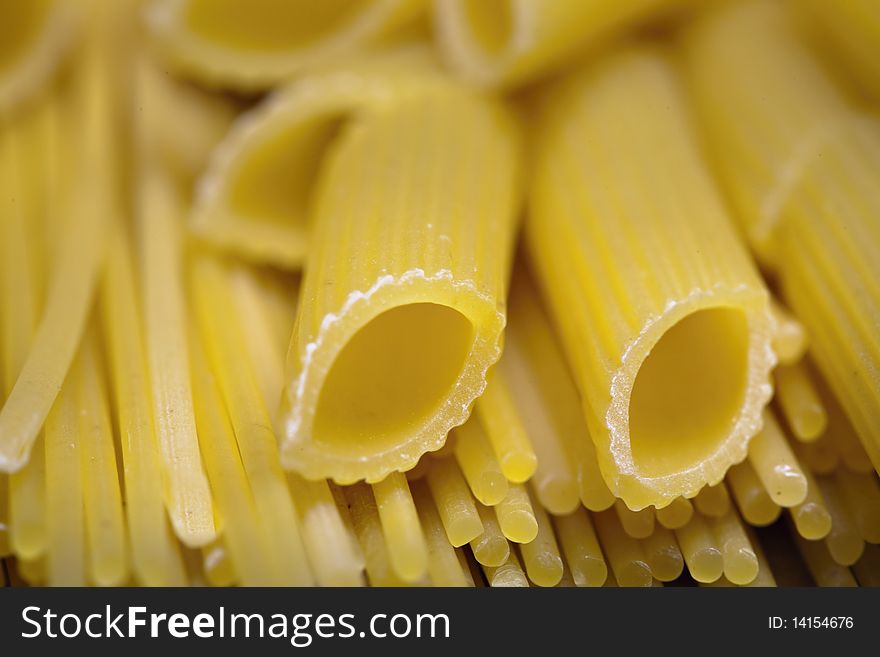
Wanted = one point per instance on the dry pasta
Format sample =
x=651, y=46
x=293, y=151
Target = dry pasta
x=784, y=137
x=258, y=45
x=592, y=239
x=425, y=293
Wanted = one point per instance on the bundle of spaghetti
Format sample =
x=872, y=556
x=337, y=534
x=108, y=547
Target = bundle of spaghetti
x=580, y=545
x=540, y=381
x=541, y=557
x=851, y=30
x=24, y=161
x=255, y=197
x=221, y=333
x=408, y=550
x=663, y=555
x=825, y=570
x=508, y=574
x=456, y=506
x=496, y=410
x=713, y=501
x=776, y=465
x=799, y=402
x=254, y=47
x=738, y=556
x=368, y=529
x=657, y=279
x=511, y=42
x=90, y=202
x=844, y=541
x=108, y=562
x=701, y=549
x=638, y=524
x=624, y=554
x=424, y=289
x=516, y=516
x=444, y=568
x=478, y=463
x=801, y=166
x=752, y=499
x=676, y=514
x=811, y=517
x=33, y=38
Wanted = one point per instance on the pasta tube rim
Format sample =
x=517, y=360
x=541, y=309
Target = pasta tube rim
x=237, y=68
x=357, y=312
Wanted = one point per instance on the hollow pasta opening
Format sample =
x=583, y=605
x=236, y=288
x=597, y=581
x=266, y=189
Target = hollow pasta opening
x=490, y=23
x=270, y=25
x=689, y=391
x=390, y=377
x=275, y=181
x=19, y=28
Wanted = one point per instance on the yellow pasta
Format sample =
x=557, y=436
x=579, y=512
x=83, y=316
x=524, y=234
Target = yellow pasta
x=821, y=456
x=508, y=574
x=423, y=290
x=581, y=548
x=444, y=568
x=852, y=29
x=623, y=553
x=407, y=549
x=217, y=565
x=454, y=503
x=867, y=568
x=801, y=166
x=102, y=498
x=753, y=500
x=23, y=149
x=700, y=549
x=516, y=517
x=90, y=202
x=33, y=37
x=790, y=342
x=800, y=402
x=497, y=412
x=187, y=494
x=740, y=561
x=255, y=46
x=823, y=568
x=478, y=464
x=776, y=465
x=713, y=501
x=564, y=444
x=541, y=556
x=506, y=42
x=154, y=553
x=663, y=555
x=677, y=514
x=844, y=541
x=811, y=517
x=324, y=535
x=765, y=574
x=368, y=528
x=237, y=381
x=861, y=493
x=657, y=277
x=256, y=195
x=842, y=436
x=491, y=547
x=248, y=539
x=638, y=524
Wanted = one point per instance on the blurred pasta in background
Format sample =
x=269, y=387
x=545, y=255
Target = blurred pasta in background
x=440, y=292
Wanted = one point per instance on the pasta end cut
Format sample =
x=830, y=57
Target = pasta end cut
x=687, y=400
x=376, y=393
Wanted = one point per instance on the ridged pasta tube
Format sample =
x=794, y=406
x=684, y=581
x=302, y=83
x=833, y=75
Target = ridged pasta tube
x=255, y=197
x=256, y=44
x=503, y=42
x=663, y=316
x=801, y=166
x=403, y=298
